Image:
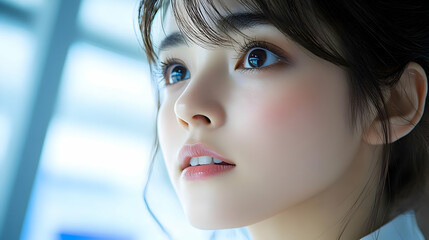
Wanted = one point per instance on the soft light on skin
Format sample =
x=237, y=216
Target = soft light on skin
x=299, y=165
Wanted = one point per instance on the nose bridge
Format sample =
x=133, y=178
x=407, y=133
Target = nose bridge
x=200, y=103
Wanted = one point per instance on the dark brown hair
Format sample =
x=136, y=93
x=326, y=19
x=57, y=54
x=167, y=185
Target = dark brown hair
x=372, y=40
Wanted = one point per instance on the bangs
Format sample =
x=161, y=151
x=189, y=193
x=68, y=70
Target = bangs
x=209, y=24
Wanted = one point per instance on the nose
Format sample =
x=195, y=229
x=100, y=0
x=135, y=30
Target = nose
x=199, y=106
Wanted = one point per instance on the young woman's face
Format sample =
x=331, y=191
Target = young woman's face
x=276, y=111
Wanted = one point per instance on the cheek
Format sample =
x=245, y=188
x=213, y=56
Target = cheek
x=164, y=128
x=296, y=136
x=170, y=136
x=302, y=120
x=286, y=110
x=283, y=116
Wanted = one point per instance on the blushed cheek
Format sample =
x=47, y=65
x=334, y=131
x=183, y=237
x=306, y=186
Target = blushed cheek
x=288, y=110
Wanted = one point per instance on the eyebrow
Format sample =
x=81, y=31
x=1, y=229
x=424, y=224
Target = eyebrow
x=173, y=40
x=240, y=21
x=243, y=20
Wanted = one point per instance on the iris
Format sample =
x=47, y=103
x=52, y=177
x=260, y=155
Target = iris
x=257, y=58
x=178, y=73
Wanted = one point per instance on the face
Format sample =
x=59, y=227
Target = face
x=276, y=111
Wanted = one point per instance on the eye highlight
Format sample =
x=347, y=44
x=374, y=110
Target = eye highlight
x=253, y=56
x=173, y=72
x=177, y=73
x=260, y=55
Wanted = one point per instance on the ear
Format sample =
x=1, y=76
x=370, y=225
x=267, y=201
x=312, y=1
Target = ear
x=405, y=103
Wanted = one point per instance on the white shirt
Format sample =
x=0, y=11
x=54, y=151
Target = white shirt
x=403, y=227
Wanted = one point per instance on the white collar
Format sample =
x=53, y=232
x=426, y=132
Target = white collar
x=403, y=227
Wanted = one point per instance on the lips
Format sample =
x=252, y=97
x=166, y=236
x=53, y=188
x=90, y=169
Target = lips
x=198, y=150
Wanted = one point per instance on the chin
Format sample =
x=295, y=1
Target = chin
x=220, y=218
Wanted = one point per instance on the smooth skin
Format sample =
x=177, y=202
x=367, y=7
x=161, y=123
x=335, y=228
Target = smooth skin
x=299, y=165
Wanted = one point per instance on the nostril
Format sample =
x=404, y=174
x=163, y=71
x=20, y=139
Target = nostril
x=184, y=123
x=202, y=118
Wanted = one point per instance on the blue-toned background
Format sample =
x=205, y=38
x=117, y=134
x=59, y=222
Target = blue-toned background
x=76, y=123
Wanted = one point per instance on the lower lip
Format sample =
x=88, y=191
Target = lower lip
x=204, y=171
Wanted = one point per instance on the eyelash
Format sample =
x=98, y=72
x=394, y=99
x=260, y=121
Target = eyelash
x=161, y=70
x=243, y=50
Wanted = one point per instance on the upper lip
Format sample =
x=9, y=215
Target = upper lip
x=197, y=150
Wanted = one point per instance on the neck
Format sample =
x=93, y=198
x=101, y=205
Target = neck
x=323, y=216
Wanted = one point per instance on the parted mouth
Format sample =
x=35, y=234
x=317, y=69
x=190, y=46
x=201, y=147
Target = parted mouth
x=206, y=160
x=199, y=154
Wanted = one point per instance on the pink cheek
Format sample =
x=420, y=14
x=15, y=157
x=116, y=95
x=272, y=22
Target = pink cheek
x=288, y=110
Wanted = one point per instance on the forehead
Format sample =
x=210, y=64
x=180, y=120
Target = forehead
x=207, y=25
x=170, y=24
x=223, y=7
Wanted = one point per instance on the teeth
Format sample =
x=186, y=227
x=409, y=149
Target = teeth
x=194, y=161
x=203, y=160
x=215, y=160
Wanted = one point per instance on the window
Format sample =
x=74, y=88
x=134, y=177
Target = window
x=76, y=116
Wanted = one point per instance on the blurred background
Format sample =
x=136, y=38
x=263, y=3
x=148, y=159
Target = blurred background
x=76, y=124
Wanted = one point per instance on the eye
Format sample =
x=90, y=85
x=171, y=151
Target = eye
x=176, y=73
x=259, y=58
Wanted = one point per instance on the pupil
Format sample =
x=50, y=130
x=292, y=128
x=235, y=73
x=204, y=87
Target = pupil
x=177, y=73
x=257, y=58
